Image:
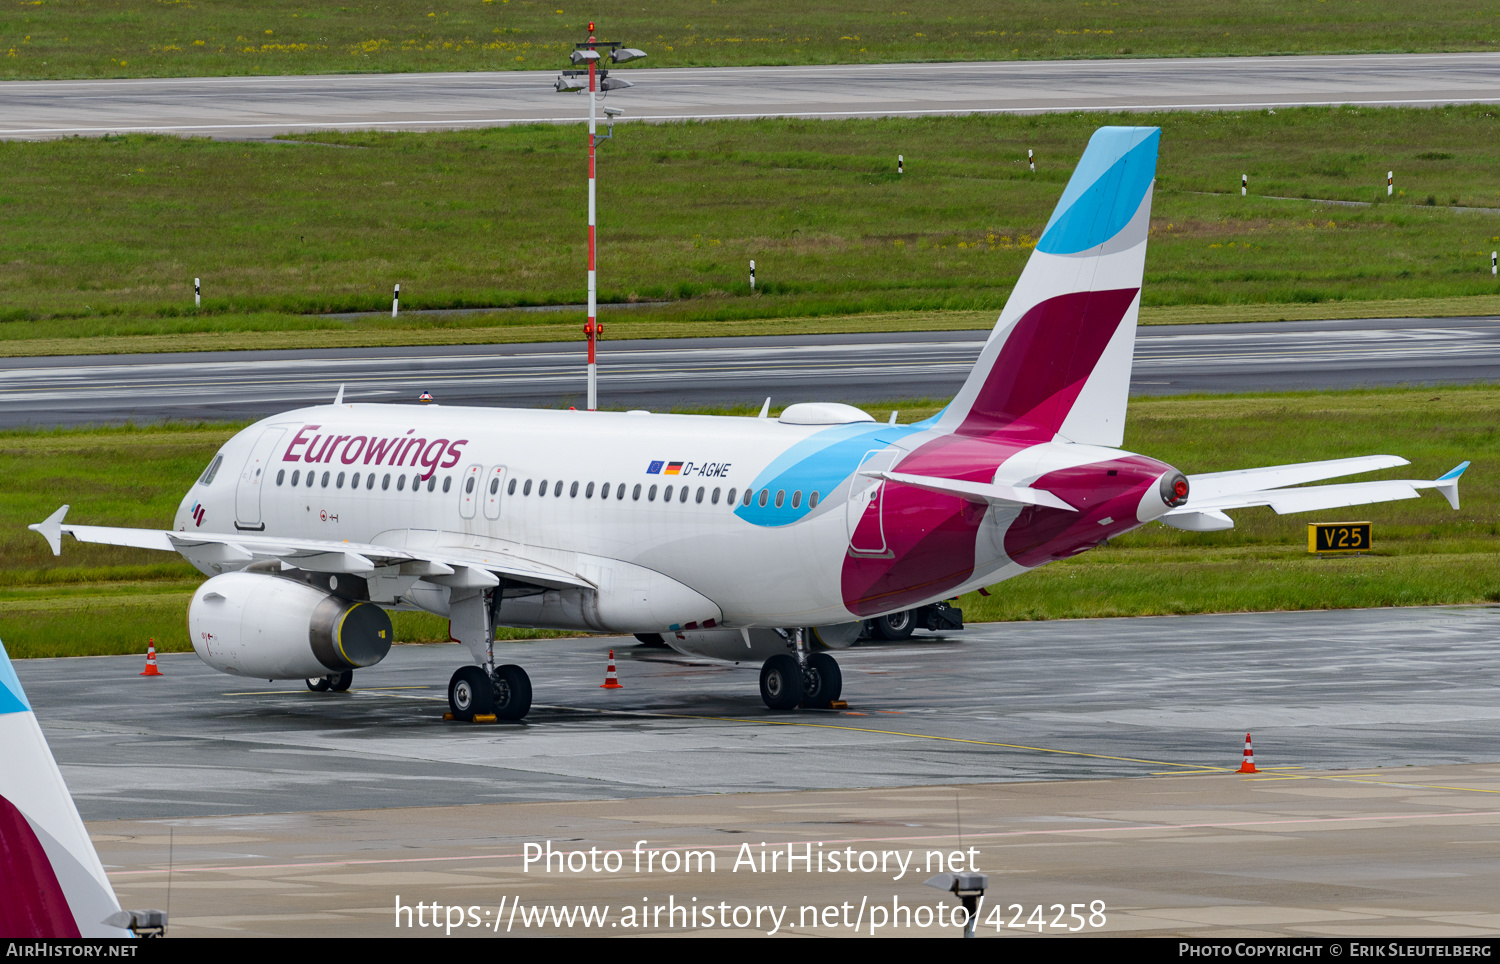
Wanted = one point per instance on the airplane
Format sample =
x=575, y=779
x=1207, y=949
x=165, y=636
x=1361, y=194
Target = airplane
x=52, y=884
x=735, y=538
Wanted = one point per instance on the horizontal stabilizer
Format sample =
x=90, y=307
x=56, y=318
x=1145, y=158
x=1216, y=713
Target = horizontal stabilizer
x=981, y=492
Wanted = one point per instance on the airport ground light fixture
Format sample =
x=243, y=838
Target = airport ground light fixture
x=594, y=79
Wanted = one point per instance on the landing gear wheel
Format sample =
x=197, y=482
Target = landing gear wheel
x=781, y=682
x=512, y=692
x=319, y=684
x=822, y=681
x=470, y=693
x=341, y=682
x=896, y=626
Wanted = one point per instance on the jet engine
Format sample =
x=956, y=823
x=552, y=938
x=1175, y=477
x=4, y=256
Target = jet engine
x=268, y=627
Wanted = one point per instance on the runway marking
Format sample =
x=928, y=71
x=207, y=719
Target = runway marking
x=946, y=835
x=1379, y=783
x=449, y=123
x=1181, y=773
x=1195, y=767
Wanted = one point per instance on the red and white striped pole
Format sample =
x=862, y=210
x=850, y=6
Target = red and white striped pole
x=592, y=328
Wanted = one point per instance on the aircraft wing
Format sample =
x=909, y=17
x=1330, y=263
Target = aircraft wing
x=1222, y=491
x=1211, y=484
x=456, y=566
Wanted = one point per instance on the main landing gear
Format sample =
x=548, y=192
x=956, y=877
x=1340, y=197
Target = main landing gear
x=800, y=678
x=484, y=689
x=334, y=682
x=505, y=693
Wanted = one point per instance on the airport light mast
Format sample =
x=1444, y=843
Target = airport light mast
x=598, y=79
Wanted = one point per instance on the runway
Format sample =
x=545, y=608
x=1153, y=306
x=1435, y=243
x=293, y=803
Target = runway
x=260, y=107
x=857, y=368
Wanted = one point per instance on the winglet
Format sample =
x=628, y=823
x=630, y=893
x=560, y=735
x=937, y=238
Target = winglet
x=1447, y=483
x=51, y=528
x=339, y=398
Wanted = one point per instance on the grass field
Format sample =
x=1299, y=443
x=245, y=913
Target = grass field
x=103, y=237
x=156, y=38
x=99, y=599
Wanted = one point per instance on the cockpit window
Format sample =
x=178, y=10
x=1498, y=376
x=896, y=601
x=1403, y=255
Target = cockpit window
x=213, y=469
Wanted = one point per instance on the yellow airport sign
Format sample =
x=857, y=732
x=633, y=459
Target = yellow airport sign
x=1335, y=537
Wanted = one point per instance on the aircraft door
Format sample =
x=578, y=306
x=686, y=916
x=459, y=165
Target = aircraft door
x=494, y=484
x=247, y=494
x=863, y=513
x=469, y=491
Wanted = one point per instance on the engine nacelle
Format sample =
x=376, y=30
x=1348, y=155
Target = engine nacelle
x=266, y=627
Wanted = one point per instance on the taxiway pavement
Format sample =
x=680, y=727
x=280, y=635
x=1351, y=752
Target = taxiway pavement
x=258, y=107
x=857, y=368
x=248, y=808
x=1372, y=854
x=998, y=702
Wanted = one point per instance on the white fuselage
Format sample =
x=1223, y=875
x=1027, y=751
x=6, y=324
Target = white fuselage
x=662, y=492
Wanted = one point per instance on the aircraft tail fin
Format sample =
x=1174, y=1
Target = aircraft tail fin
x=51, y=881
x=1057, y=364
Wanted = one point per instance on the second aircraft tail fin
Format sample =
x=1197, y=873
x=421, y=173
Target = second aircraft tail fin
x=51, y=881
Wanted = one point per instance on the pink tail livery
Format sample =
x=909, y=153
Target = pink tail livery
x=51, y=881
x=1057, y=365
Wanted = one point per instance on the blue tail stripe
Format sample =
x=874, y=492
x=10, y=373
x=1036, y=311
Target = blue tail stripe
x=12, y=697
x=1105, y=191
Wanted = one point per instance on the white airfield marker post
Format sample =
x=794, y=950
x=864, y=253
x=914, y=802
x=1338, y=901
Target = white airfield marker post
x=396, y=300
x=197, y=294
x=1390, y=182
x=752, y=276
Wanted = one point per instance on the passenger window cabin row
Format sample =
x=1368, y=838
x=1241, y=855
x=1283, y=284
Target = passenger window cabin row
x=354, y=480
x=681, y=493
x=668, y=493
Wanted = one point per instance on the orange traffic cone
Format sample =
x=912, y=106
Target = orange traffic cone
x=151, y=669
x=1248, y=766
x=611, y=681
